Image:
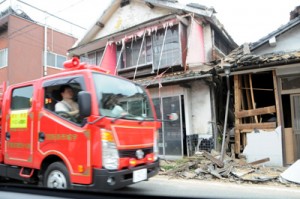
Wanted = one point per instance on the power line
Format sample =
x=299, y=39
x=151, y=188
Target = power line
x=51, y=14
x=2, y=2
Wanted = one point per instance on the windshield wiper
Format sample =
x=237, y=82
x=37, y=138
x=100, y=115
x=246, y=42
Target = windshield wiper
x=121, y=117
x=96, y=120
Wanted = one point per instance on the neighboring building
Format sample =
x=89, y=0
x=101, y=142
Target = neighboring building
x=266, y=76
x=165, y=46
x=22, y=47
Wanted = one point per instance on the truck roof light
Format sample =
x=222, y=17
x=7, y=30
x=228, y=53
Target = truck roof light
x=72, y=63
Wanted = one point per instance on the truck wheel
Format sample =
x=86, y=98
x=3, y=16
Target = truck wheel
x=57, y=176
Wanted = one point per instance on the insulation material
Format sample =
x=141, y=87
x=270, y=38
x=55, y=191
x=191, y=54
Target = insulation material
x=108, y=61
x=265, y=144
x=195, y=53
x=292, y=174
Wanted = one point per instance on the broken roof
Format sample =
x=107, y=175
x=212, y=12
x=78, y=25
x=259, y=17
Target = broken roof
x=194, y=73
x=196, y=9
x=244, y=56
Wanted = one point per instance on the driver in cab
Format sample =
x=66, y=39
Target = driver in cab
x=67, y=104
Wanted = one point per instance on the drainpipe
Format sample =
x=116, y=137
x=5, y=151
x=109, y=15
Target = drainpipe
x=227, y=73
x=45, y=48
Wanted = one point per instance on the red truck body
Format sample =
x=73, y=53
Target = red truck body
x=98, y=151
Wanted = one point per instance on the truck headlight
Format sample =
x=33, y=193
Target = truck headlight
x=110, y=155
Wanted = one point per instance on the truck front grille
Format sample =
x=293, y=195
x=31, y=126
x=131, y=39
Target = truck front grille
x=131, y=153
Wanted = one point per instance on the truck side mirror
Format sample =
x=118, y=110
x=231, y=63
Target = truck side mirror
x=173, y=116
x=84, y=103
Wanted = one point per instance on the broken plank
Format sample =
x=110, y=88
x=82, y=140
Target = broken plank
x=266, y=125
x=260, y=161
x=258, y=89
x=213, y=159
x=243, y=131
x=258, y=111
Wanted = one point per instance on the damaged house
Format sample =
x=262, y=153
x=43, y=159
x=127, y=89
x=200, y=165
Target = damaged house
x=164, y=46
x=265, y=79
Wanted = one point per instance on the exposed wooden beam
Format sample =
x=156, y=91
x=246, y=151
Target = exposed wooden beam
x=237, y=107
x=266, y=125
x=252, y=96
x=278, y=116
x=258, y=89
x=254, y=112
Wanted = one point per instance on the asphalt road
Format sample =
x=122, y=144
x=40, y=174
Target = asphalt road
x=163, y=186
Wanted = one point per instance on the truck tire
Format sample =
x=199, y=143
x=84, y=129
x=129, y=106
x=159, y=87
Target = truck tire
x=57, y=176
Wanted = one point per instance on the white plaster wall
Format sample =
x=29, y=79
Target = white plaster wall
x=265, y=144
x=288, y=41
x=130, y=15
x=201, y=108
x=207, y=42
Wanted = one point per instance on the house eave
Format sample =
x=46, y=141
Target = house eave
x=153, y=81
x=275, y=33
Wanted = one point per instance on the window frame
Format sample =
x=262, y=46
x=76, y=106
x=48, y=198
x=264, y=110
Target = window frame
x=56, y=64
x=53, y=85
x=98, y=55
x=28, y=96
x=150, y=40
x=5, y=57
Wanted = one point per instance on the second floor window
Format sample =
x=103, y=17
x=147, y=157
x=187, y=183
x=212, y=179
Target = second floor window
x=55, y=60
x=3, y=57
x=93, y=57
x=138, y=52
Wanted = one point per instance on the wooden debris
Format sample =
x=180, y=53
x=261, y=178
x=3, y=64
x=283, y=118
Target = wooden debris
x=259, y=161
x=213, y=159
x=206, y=166
x=240, y=172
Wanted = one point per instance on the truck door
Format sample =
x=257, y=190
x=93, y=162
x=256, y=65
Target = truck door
x=19, y=128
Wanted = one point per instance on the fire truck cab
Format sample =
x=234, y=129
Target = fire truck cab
x=111, y=143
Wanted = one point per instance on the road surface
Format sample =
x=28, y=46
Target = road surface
x=163, y=186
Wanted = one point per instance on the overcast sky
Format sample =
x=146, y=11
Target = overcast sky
x=245, y=21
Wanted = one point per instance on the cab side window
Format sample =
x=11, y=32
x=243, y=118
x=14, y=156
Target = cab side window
x=22, y=98
x=58, y=97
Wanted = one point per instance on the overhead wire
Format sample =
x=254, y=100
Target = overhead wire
x=20, y=30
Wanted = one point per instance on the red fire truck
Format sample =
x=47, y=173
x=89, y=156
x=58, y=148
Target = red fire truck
x=98, y=149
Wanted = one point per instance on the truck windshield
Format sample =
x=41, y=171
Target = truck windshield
x=119, y=98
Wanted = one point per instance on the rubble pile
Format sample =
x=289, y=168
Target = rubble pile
x=207, y=166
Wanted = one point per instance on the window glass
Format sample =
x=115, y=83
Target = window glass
x=60, y=61
x=289, y=83
x=171, y=54
x=119, y=97
x=21, y=98
x=149, y=50
x=53, y=96
x=55, y=60
x=3, y=57
x=93, y=57
x=133, y=50
x=50, y=59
